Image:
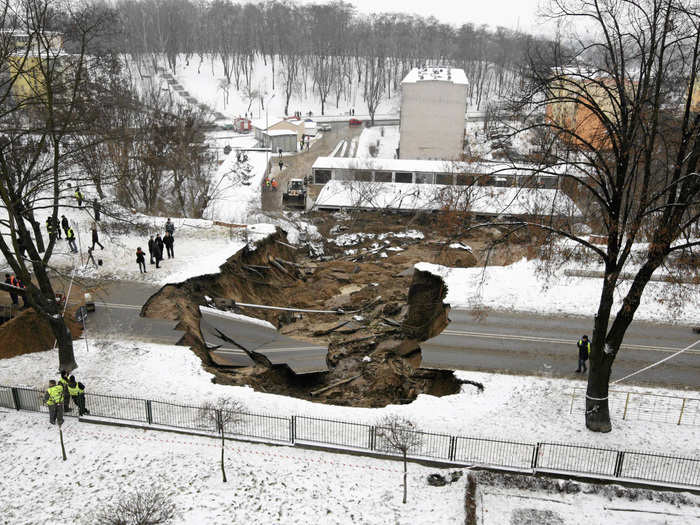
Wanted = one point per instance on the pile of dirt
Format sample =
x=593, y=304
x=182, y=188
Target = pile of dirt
x=29, y=332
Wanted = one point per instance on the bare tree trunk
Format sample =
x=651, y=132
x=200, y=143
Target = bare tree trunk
x=223, y=470
x=405, y=474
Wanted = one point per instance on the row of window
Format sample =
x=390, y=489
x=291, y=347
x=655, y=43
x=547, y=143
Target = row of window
x=321, y=176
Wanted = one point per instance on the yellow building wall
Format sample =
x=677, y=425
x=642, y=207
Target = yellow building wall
x=28, y=77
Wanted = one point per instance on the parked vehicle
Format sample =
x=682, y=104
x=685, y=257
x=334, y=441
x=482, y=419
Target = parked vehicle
x=355, y=122
x=324, y=127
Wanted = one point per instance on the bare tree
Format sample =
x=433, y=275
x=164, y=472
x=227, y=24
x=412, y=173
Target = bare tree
x=41, y=108
x=151, y=506
x=399, y=434
x=224, y=414
x=618, y=106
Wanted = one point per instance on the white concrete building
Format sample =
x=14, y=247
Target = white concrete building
x=433, y=113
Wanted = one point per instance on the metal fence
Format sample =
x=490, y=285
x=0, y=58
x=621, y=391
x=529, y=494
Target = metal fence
x=562, y=458
x=640, y=406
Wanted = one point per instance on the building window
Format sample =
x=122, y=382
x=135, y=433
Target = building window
x=322, y=176
x=382, y=176
x=463, y=179
x=344, y=175
x=425, y=178
x=443, y=178
x=403, y=177
x=364, y=176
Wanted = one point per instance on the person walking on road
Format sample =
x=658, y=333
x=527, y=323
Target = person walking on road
x=169, y=242
x=151, y=248
x=77, y=393
x=158, y=248
x=584, y=350
x=53, y=397
x=141, y=260
x=70, y=237
x=96, y=237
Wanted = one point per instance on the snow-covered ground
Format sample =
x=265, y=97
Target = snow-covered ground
x=521, y=287
x=206, y=82
x=517, y=408
x=265, y=484
x=385, y=140
x=498, y=505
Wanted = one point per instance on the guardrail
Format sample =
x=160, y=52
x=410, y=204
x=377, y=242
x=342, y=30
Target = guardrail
x=560, y=458
x=641, y=406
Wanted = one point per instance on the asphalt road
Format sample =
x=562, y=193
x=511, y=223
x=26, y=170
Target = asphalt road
x=117, y=315
x=532, y=344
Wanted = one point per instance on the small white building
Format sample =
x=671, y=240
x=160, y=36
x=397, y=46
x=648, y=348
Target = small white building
x=433, y=113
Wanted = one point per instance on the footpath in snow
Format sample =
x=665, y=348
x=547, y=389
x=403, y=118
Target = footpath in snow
x=517, y=408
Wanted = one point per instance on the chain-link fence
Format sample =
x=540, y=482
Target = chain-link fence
x=644, y=407
x=578, y=460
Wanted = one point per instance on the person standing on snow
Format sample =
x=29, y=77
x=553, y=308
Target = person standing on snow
x=169, y=242
x=141, y=260
x=151, y=248
x=9, y=280
x=169, y=227
x=70, y=237
x=158, y=249
x=77, y=393
x=584, y=350
x=64, y=383
x=53, y=397
x=64, y=225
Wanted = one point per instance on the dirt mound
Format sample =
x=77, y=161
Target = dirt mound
x=28, y=332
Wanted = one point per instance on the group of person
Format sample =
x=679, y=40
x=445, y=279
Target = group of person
x=12, y=280
x=59, y=394
x=270, y=184
x=53, y=228
x=156, y=246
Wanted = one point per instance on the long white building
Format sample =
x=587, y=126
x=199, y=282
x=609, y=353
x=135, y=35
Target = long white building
x=433, y=113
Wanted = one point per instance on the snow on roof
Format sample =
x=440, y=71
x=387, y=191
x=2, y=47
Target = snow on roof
x=444, y=74
x=483, y=200
x=280, y=132
x=428, y=166
x=264, y=124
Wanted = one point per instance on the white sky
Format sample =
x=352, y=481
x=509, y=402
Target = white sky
x=514, y=14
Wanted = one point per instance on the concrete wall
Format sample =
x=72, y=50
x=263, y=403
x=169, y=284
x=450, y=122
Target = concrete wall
x=432, y=120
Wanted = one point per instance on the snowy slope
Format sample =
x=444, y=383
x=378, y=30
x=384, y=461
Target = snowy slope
x=521, y=287
x=265, y=485
x=519, y=408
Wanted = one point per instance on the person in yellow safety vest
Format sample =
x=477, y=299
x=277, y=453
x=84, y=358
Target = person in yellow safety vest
x=54, y=400
x=66, y=398
x=70, y=237
x=79, y=197
x=77, y=392
x=584, y=350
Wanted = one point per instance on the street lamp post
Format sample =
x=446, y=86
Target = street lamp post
x=267, y=132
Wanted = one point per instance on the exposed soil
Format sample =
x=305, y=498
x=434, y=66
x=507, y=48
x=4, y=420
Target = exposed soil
x=28, y=332
x=375, y=355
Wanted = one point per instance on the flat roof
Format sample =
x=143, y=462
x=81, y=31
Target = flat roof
x=441, y=74
x=428, y=166
x=483, y=200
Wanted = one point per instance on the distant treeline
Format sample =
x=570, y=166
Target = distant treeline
x=330, y=44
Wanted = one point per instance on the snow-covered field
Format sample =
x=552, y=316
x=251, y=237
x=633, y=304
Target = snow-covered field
x=265, y=484
x=517, y=408
x=521, y=287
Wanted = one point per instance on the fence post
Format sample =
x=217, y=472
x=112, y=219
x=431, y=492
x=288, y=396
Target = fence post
x=573, y=395
x=453, y=448
x=372, y=438
x=15, y=398
x=535, y=454
x=627, y=400
x=618, y=463
x=681, y=414
x=149, y=412
x=293, y=429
